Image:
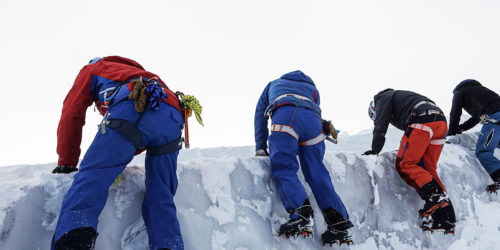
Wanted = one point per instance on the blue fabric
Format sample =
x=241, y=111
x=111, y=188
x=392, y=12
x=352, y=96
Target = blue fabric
x=283, y=149
x=488, y=140
x=106, y=158
x=294, y=82
x=94, y=60
x=103, y=88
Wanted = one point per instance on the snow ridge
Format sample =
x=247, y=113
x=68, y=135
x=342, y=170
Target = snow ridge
x=227, y=200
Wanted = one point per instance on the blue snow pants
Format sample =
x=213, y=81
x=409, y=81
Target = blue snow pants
x=488, y=140
x=107, y=157
x=283, y=149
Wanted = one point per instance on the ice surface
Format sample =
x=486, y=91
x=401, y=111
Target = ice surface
x=227, y=200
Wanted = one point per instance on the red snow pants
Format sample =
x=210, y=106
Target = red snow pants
x=419, y=153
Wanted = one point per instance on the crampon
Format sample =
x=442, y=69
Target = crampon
x=301, y=225
x=332, y=236
x=296, y=228
x=433, y=226
x=493, y=187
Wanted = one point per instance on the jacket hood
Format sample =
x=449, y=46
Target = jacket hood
x=381, y=92
x=123, y=60
x=466, y=83
x=297, y=76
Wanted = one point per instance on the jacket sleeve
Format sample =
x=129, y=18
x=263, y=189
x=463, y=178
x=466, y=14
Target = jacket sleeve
x=69, y=131
x=384, y=114
x=473, y=121
x=455, y=113
x=260, y=120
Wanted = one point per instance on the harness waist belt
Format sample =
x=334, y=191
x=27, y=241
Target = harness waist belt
x=270, y=107
x=431, y=112
x=292, y=95
x=422, y=103
x=484, y=119
x=134, y=135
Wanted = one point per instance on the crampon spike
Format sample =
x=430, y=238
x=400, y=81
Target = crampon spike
x=493, y=187
x=348, y=242
x=447, y=232
x=305, y=233
x=492, y=191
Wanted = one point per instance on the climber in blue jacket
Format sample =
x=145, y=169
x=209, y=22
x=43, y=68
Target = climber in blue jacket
x=292, y=102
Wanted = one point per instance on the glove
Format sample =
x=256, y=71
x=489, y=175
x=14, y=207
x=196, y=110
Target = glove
x=261, y=152
x=64, y=169
x=370, y=152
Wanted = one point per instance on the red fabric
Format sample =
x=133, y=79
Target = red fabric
x=79, y=98
x=415, y=148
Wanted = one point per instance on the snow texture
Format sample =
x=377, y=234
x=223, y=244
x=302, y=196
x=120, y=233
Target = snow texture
x=227, y=200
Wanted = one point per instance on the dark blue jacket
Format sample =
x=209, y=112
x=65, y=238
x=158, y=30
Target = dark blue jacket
x=296, y=83
x=476, y=100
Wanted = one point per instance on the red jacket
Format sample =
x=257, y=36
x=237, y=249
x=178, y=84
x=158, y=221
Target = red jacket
x=92, y=79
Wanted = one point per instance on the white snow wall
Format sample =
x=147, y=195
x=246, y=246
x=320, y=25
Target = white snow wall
x=227, y=200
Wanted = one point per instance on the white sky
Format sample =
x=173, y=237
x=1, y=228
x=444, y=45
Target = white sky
x=225, y=52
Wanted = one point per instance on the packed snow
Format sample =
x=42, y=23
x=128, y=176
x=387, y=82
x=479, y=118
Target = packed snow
x=226, y=199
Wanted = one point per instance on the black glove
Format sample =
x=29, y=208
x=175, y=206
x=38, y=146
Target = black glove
x=370, y=152
x=64, y=169
x=261, y=152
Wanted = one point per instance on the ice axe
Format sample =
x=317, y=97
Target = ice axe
x=329, y=130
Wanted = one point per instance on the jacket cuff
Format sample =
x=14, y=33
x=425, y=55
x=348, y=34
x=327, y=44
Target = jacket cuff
x=67, y=162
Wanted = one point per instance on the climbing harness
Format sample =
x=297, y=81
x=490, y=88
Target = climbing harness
x=289, y=130
x=431, y=134
x=269, y=109
x=485, y=119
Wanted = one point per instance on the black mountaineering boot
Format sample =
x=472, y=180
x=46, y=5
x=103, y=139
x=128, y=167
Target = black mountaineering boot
x=437, y=213
x=495, y=176
x=435, y=198
x=434, y=203
x=337, y=231
x=301, y=225
x=82, y=238
x=442, y=219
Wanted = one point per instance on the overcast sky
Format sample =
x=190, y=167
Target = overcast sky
x=225, y=52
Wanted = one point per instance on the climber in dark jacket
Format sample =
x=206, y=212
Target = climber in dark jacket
x=484, y=106
x=425, y=127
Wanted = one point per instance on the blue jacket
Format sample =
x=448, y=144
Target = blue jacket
x=296, y=83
